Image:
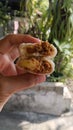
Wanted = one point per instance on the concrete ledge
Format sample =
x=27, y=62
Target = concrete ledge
x=49, y=98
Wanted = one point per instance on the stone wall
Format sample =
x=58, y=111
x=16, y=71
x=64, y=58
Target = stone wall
x=51, y=98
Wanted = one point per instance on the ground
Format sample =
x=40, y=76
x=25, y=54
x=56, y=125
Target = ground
x=34, y=121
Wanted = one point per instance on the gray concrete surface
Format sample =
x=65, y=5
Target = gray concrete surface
x=34, y=121
x=49, y=98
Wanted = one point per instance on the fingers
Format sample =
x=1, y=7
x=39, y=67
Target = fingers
x=7, y=67
x=4, y=45
x=17, y=39
x=25, y=81
x=9, y=44
x=19, y=70
x=13, y=53
x=9, y=47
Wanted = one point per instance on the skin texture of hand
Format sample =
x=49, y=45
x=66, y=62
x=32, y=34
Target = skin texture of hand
x=12, y=78
x=9, y=52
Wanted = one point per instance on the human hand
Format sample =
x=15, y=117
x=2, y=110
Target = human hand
x=9, y=83
x=9, y=52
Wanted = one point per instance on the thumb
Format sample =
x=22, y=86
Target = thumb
x=24, y=81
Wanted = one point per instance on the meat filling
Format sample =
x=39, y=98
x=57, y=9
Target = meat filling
x=44, y=49
x=36, y=65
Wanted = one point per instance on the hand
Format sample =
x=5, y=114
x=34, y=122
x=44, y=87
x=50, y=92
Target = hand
x=10, y=85
x=10, y=79
x=9, y=52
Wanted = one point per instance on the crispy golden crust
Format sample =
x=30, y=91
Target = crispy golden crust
x=38, y=49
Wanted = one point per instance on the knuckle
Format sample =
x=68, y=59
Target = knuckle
x=4, y=61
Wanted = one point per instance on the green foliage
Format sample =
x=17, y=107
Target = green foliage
x=62, y=24
x=61, y=36
x=4, y=16
x=38, y=18
x=52, y=20
x=63, y=65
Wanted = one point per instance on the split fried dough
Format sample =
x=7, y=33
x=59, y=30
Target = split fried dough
x=38, y=49
x=35, y=58
x=36, y=65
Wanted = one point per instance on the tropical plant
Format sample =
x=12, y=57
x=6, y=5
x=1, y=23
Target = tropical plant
x=38, y=18
x=4, y=15
x=61, y=35
x=52, y=20
x=63, y=65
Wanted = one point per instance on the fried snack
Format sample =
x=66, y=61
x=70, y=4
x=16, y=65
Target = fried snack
x=35, y=57
x=38, y=49
x=36, y=65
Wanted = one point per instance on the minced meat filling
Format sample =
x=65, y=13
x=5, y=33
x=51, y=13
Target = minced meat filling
x=44, y=48
x=36, y=58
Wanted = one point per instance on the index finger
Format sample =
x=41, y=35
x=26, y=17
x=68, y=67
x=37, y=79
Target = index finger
x=17, y=39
